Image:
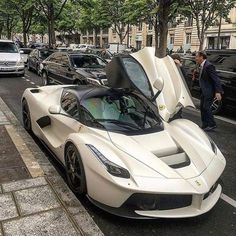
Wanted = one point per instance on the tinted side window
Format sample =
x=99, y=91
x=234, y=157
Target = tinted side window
x=56, y=58
x=138, y=76
x=69, y=104
x=64, y=60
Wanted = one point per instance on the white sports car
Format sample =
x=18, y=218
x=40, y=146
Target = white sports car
x=122, y=151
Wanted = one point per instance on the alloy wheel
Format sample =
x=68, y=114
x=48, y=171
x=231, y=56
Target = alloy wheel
x=74, y=170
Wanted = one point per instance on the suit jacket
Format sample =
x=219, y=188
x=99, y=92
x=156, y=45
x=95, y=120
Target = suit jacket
x=209, y=80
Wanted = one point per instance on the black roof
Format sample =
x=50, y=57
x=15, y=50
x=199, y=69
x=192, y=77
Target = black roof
x=89, y=91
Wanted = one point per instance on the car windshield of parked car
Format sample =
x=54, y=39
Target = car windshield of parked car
x=87, y=61
x=122, y=113
x=8, y=47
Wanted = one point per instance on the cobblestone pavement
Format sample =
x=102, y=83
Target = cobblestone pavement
x=34, y=199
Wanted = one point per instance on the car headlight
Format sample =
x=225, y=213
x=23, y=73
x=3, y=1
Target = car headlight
x=20, y=63
x=213, y=145
x=93, y=81
x=111, y=167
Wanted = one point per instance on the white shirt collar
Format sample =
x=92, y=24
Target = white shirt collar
x=202, y=64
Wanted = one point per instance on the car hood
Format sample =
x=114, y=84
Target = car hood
x=10, y=56
x=162, y=152
x=149, y=68
x=92, y=72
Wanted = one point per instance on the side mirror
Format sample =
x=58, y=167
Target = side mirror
x=54, y=109
x=158, y=84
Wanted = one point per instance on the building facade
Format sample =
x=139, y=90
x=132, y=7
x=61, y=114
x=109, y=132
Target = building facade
x=182, y=35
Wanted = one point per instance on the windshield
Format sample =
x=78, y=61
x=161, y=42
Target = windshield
x=87, y=61
x=8, y=47
x=121, y=113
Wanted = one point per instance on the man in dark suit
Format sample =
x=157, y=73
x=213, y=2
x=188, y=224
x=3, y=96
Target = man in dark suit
x=210, y=87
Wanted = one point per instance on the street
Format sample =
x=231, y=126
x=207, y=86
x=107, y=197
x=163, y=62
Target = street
x=221, y=220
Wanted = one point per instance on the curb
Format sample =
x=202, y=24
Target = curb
x=39, y=165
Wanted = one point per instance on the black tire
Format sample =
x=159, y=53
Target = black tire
x=26, y=116
x=75, y=170
x=216, y=107
x=44, y=78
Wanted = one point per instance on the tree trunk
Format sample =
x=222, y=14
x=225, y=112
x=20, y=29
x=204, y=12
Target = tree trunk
x=24, y=33
x=53, y=36
x=8, y=29
x=128, y=35
x=163, y=15
x=51, y=22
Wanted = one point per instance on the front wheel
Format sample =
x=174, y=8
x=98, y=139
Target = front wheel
x=26, y=116
x=75, y=170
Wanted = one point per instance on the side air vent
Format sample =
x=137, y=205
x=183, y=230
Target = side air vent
x=34, y=90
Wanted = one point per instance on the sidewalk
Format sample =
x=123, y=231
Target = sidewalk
x=34, y=199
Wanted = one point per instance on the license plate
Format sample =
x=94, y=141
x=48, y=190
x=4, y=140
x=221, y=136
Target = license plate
x=7, y=68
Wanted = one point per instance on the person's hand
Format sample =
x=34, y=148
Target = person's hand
x=218, y=96
x=194, y=72
x=177, y=62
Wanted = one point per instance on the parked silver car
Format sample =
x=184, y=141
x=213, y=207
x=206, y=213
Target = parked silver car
x=11, y=61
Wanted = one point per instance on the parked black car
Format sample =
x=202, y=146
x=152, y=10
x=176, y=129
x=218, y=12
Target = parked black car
x=74, y=68
x=36, y=57
x=225, y=63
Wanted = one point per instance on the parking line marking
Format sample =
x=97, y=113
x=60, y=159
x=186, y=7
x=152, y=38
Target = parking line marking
x=217, y=117
x=229, y=200
x=226, y=120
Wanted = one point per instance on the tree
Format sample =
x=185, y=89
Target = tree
x=51, y=9
x=115, y=11
x=39, y=25
x=8, y=18
x=93, y=16
x=158, y=13
x=24, y=9
x=68, y=20
x=206, y=14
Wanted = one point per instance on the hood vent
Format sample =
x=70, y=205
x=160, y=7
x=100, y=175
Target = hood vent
x=177, y=160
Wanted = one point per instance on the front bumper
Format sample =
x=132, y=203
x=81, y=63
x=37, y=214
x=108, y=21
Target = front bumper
x=12, y=70
x=196, y=204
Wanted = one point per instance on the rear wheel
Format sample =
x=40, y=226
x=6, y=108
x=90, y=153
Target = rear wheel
x=26, y=116
x=75, y=170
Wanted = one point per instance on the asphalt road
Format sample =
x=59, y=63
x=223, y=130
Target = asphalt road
x=221, y=220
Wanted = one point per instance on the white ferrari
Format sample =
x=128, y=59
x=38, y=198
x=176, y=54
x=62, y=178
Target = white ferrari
x=119, y=146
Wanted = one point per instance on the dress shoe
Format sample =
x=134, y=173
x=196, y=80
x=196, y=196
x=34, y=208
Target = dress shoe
x=209, y=128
